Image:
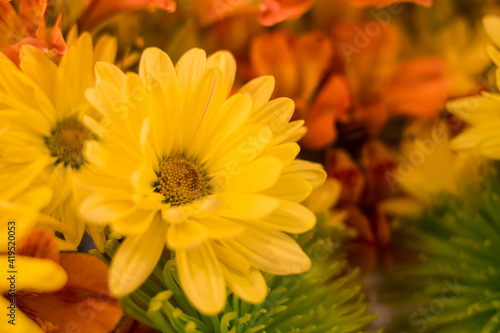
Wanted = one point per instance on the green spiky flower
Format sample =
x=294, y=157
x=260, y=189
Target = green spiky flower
x=456, y=283
x=327, y=298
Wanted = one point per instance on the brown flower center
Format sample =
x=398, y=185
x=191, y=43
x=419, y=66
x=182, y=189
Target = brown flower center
x=181, y=180
x=67, y=140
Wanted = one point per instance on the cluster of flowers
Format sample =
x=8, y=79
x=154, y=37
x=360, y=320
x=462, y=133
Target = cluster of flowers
x=146, y=186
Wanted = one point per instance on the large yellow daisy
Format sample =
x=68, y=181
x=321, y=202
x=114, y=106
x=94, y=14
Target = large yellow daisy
x=212, y=177
x=42, y=115
x=482, y=112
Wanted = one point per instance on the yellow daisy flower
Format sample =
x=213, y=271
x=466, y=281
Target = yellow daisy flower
x=212, y=177
x=42, y=112
x=481, y=112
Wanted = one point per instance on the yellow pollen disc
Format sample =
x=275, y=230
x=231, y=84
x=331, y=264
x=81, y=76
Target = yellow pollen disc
x=181, y=181
x=67, y=140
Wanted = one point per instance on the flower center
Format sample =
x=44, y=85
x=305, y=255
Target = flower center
x=67, y=140
x=181, y=180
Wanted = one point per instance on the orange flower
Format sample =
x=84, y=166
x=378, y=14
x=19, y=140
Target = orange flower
x=384, y=3
x=364, y=189
x=99, y=10
x=28, y=27
x=418, y=87
x=280, y=10
x=380, y=84
x=299, y=67
x=83, y=303
x=269, y=12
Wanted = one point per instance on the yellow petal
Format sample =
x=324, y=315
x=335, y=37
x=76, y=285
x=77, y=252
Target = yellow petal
x=290, y=188
x=231, y=258
x=217, y=227
x=271, y=251
x=106, y=207
x=290, y=132
x=136, y=258
x=255, y=176
x=250, y=287
x=163, y=96
x=492, y=26
x=473, y=137
x=23, y=323
x=247, y=206
x=475, y=110
x=185, y=235
x=228, y=120
x=190, y=67
x=202, y=278
x=225, y=62
x=260, y=89
x=40, y=68
x=286, y=152
x=312, y=172
x=74, y=77
x=201, y=106
x=276, y=114
x=290, y=217
x=41, y=275
x=135, y=221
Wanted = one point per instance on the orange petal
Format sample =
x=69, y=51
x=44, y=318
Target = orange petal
x=57, y=39
x=361, y=223
x=383, y=228
x=11, y=26
x=210, y=11
x=377, y=160
x=281, y=10
x=282, y=65
x=100, y=10
x=385, y=3
x=418, y=87
x=84, y=303
x=339, y=165
x=314, y=53
x=332, y=102
x=32, y=13
x=70, y=310
x=321, y=131
x=93, y=278
x=39, y=243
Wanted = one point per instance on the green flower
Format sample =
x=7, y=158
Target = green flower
x=327, y=298
x=456, y=282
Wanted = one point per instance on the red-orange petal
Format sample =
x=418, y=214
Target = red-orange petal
x=100, y=10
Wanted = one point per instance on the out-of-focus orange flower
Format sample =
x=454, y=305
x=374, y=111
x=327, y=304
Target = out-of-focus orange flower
x=380, y=84
x=84, y=302
x=28, y=27
x=299, y=69
x=269, y=12
x=418, y=87
x=280, y=10
x=340, y=166
x=384, y=3
x=98, y=11
x=364, y=189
